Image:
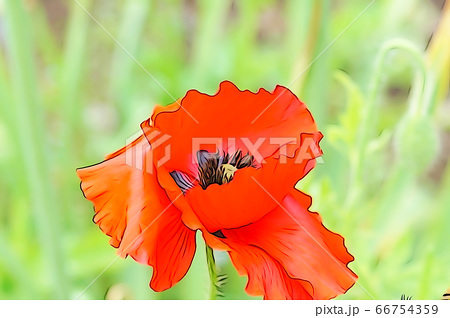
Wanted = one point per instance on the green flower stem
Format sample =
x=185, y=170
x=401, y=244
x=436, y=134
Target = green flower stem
x=368, y=122
x=399, y=44
x=212, y=269
x=374, y=88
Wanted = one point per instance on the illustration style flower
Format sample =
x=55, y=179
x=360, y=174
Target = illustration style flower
x=226, y=165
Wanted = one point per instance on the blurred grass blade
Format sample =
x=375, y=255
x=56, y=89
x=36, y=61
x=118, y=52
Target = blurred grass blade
x=206, y=46
x=15, y=268
x=130, y=32
x=319, y=73
x=304, y=22
x=30, y=128
x=71, y=72
x=438, y=58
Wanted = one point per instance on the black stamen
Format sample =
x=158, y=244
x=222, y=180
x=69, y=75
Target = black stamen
x=182, y=180
x=210, y=166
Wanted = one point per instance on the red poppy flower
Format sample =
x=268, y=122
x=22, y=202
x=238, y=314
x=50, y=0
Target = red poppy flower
x=227, y=165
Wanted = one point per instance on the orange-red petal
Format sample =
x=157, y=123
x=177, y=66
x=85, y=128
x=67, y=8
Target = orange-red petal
x=133, y=209
x=266, y=276
x=161, y=149
x=259, y=123
x=290, y=247
x=252, y=193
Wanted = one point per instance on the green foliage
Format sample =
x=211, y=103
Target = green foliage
x=417, y=143
x=69, y=94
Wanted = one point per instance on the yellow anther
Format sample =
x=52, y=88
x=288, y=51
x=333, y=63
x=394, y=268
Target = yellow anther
x=227, y=171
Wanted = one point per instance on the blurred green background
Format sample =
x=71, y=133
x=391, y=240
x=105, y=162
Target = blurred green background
x=70, y=94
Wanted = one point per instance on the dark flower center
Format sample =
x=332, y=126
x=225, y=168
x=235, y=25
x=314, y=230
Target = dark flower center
x=220, y=169
x=213, y=168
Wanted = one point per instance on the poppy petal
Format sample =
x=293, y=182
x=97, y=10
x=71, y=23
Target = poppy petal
x=234, y=204
x=296, y=243
x=213, y=125
x=136, y=213
x=266, y=276
x=160, y=150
